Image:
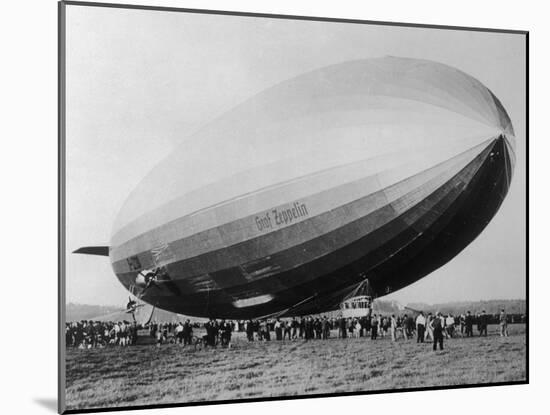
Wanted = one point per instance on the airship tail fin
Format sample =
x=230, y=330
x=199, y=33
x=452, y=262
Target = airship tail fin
x=93, y=250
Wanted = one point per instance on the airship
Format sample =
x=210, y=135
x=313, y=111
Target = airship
x=368, y=173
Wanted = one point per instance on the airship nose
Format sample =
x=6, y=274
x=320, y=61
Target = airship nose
x=510, y=147
x=501, y=160
x=507, y=143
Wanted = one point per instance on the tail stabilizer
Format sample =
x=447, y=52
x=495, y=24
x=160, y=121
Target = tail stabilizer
x=93, y=250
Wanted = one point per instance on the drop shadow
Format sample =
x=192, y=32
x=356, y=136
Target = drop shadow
x=48, y=403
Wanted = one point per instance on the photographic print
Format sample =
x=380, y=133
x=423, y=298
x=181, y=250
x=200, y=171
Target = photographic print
x=258, y=207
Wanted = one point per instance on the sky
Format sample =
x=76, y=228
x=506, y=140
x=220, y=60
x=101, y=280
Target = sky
x=140, y=82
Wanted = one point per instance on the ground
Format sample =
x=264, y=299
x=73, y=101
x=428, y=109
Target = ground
x=147, y=375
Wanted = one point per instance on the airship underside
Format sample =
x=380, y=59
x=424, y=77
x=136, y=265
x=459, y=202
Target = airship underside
x=380, y=170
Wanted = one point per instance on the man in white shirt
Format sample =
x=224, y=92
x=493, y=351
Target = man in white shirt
x=429, y=332
x=450, y=325
x=178, y=331
x=116, y=331
x=420, y=327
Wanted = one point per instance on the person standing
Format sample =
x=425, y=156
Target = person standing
x=410, y=327
x=311, y=328
x=393, y=327
x=420, y=327
x=158, y=334
x=286, y=330
x=208, y=329
x=263, y=330
x=429, y=332
x=268, y=328
x=309, y=332
x=351, y=326
x=503, y=320
x=437, y=329
x=215, y=332
x=358, y=328
x=278, y=330
x=383, y=326
x=306, y=329
x=343, y=329
x=483, y=321
x=404, y=328
x=294, y=325
x=367, y=326
x=374, y=328
x=462, y=322
x=450, y=325
x=188, y=332
x=257, y=329
x=318, y=327
x=326, y=328
x=363, y=323
x=178, y=332
x=222, y=332
x=469, y=324
x=116, y=328
x=227, y=329
x=250, y=330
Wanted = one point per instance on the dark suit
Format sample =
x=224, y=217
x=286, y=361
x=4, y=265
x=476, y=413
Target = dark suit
x=483, y=321
x=437, y=325
x=469, y=323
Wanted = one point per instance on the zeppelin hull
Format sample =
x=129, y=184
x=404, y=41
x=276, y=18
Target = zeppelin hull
x=381, y=169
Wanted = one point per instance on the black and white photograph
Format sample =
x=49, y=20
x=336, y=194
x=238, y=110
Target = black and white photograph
x=260, y=207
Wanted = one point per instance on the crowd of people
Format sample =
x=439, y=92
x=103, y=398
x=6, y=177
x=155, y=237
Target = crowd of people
x=432, y=327
x=94, y=334
x=97, y=334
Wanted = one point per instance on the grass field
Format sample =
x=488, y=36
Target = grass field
x=146, y=375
